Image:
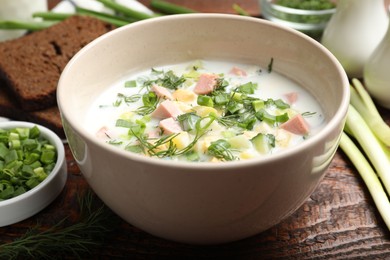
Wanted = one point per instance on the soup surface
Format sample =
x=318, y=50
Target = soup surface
x=205, y=111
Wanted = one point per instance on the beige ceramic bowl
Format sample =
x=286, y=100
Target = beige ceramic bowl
x=202, y=203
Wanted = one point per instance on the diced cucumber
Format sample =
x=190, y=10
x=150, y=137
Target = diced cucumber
x=263, y=143
x=239, y=142
x=258, y=105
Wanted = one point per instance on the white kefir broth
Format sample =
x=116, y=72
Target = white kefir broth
x=270, y=85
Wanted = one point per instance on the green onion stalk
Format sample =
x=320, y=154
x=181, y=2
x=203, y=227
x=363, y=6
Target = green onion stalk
x=126, y=11
x=366, y=127
x=239, y=10
x=21, y=25
x=169, y=8
x=369, y=177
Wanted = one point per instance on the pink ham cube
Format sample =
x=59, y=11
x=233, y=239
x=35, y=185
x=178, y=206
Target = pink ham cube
x=296, y=125
x=206, y=84
x=166, y=109
x=170, y=126
x=162, y=92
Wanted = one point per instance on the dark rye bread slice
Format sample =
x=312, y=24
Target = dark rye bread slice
x=49, y=117
x=31, y=65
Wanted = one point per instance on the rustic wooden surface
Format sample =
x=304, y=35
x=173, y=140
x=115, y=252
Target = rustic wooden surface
x=338, y=221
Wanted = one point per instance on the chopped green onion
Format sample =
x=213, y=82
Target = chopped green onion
x=123, y=123
x=258, y=105
x=188, y=121
x=26, y=159
x=48, y=156
x=247, y=121
x=149, y=99
x=233, y=106
x=134, y=148
x=220, y=98
x=247, y=88
x=34, y=132
x=131, y=84
x=205, y=101
x=192, y=156
x=263, y=115
x=282, y=118
x=279, y=103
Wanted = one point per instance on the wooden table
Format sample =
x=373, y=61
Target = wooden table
x=338, y=221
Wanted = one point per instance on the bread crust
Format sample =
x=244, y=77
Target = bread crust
x=30, y=66
x=48, y=117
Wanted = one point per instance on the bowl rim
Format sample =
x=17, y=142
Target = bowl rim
x=333, y=123
x=55, y=140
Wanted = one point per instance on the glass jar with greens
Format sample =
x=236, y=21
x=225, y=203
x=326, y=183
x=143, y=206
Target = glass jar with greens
x=307, y=16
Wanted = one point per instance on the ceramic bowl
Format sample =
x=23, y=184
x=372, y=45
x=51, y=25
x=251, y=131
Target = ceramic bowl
x=310, y=22
x=202, y=203
x=31, y=202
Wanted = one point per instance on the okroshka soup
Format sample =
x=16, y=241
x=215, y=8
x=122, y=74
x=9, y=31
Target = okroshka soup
x=205, y=111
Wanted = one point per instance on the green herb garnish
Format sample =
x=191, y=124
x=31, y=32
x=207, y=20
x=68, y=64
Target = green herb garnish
x=26, y=159
x=204, y=100
x=73, y=241
x=247, y=88
x=188, y=121
x=220, y=149
x=167, y=79
x=164, y=147
x=307, y=4
x=150, y=101
x=270, y=65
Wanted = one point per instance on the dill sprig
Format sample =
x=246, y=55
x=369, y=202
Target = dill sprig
x=167, y=79
x=75, y=240
x=155, y=147
x=220, y=149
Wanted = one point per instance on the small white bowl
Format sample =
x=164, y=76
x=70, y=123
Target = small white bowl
x=31, y=202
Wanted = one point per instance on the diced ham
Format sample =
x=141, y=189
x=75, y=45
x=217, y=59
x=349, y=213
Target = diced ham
x=238, y=72
x=170, y=126
x=296, y=125
x=162, y=92
x=206, y=84
x=166, y=109
x=291, y=97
